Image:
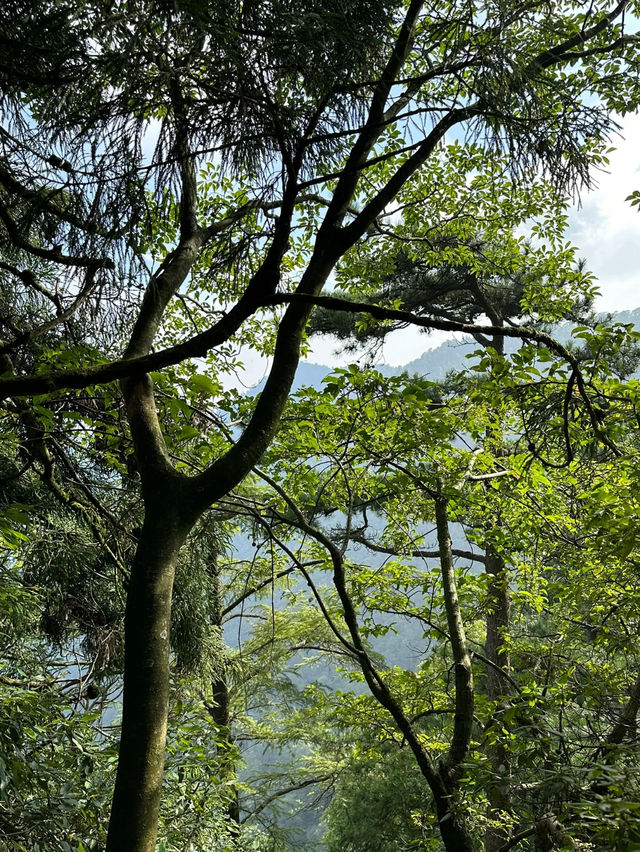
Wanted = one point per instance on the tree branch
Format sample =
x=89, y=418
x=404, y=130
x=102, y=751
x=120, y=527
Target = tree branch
x=562, y=51
x=416, y=553
x=464, y=694
x=377, y=685
x=300, y=785
x=55, y=254
x=624, y=725
x=375, y=120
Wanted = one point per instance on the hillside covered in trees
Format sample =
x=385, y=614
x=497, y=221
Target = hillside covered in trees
x=375, y=612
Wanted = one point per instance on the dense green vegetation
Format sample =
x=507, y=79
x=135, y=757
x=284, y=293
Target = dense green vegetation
x=383, y=613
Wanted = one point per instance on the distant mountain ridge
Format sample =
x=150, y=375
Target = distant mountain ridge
x=452, y=355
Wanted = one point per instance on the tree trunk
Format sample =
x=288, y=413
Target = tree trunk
x=220, y=712
x=498, y=620
x=453, y=830
x=226, y=748
x=133, y=825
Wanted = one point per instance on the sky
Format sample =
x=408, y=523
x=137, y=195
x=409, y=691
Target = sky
x=603, y=226
x=607, y=229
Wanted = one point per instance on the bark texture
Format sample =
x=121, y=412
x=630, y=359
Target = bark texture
x=221, y=715
x=134, y=816
x=498, y=620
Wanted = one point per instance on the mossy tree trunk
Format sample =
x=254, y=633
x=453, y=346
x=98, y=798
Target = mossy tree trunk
x=134, y=815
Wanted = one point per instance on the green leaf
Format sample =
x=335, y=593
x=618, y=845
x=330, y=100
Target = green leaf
x=203, y=385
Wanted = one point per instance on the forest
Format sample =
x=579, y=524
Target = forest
x=375, y=612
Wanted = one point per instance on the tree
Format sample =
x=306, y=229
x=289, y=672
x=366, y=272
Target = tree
x=499, y=278
x=315, y=118
x=381, y=445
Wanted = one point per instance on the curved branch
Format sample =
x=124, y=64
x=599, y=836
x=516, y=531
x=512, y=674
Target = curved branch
x=54, y=254
x=300, y=785
x=62, y=315
x=377, y=685
x=563, y=50
x=417, y=552
x=522, y=835
x=406, y=317
x=624, y=725
x=200, y=344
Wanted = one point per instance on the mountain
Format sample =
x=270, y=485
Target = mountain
x=435, y=363
x=405, y=645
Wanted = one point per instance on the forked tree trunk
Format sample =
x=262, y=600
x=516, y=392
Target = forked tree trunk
x=133, y=825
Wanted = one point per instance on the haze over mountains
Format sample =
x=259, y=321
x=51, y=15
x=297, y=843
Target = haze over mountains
x=437, y=362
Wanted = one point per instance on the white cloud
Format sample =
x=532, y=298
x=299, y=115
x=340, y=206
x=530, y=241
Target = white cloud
x=607, y=229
